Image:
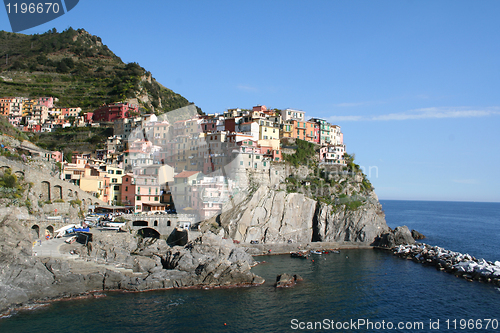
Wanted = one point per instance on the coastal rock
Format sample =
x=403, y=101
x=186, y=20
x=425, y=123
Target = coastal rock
x=417, y=235
x=402, y=235
x=274, y=216
x=461, y=265
x=211, y=261
x=398, y=236
x=144, y=264
x=363, y=225
x=286, y=280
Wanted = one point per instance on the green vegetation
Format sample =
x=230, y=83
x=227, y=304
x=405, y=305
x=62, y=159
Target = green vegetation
x=8, y=129
x=10, y=186
x=304, y=154
x=75, y=202
x=341, y=189
x=77, y=68
x=72, y=139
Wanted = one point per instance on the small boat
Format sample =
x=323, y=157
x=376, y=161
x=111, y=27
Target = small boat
x=299, y=254
x=316, y=252
x=71, y=240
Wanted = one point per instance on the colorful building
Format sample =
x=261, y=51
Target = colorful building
x=112, y=112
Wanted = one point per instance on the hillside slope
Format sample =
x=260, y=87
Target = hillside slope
x=79, y=69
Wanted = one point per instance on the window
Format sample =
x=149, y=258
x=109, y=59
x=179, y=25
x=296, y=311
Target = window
x=138, y=198
x=126, y=179
x=264, y=163
x=126, y=188
x=116, y=188
x=156, y=198
x=111, y=172
x=118, y=172
x=114, y=180
x=138, y=207
x=241, y=162
x=257, y=157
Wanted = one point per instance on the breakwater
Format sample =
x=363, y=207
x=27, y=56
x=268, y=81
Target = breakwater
x=461, y=265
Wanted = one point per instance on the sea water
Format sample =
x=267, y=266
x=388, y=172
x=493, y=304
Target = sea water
x=368, y=287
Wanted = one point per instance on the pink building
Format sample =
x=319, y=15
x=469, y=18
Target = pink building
x=57, y=156
x=47, y=101
x=88, y=117
x=128, y=190
x=112, y=112
x=259, y=108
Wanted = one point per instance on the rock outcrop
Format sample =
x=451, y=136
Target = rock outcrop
x=286, y=280
x=275, y=216
x=398, y=236
x=338, y=224
x=417, y=235
x=461, y=265
x=212, y=262
x=115, y=262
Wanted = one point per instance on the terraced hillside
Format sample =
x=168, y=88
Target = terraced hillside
x=79, y=69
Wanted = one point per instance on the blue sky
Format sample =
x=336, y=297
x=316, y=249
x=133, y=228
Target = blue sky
x=413, y=84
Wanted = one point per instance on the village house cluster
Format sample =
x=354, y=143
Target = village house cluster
x=41, y=114
x=151, y=164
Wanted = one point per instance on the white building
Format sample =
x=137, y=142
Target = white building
x=290, y=114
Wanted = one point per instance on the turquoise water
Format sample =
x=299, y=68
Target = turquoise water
x=353, y=285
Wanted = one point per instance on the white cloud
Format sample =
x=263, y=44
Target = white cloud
x=424, y=113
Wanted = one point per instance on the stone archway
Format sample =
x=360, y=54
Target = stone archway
x=35, y=231
x=45, y=195
x=49, y=231
x=148, y=232
x=57, y=192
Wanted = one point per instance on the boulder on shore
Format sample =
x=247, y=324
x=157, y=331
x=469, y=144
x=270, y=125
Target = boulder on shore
x=286, y=280
x=417, y=235
x=398, y=236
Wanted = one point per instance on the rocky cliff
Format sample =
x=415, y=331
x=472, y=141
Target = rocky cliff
x=113, y=262
x=275, y=216
x=304, y=203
